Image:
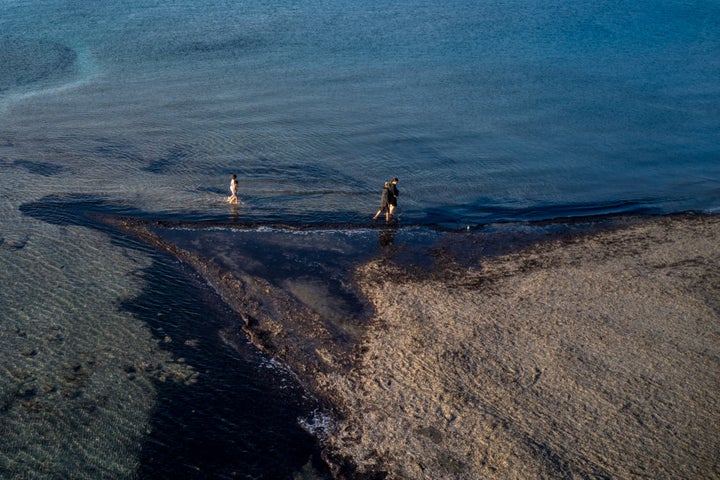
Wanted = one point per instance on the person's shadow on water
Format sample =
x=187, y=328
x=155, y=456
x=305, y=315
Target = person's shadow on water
x=234, y=214
x=387, y=235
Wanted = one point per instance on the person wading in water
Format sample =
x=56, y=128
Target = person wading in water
x=384, y=203
x=233, y=198
x=393, y=193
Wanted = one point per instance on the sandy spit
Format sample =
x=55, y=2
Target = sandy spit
x=595, y=356
x=591, y=357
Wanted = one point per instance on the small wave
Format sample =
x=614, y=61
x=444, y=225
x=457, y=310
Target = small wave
x=318, y=424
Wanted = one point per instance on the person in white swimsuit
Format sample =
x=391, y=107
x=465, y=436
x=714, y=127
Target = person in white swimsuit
x=233, y=198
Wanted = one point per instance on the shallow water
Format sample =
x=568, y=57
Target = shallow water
x=499, y=113
x=160, y=384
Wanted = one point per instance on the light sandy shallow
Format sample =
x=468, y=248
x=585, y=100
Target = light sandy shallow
x=592, y=357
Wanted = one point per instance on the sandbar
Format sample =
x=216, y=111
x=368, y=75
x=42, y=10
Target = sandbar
x=588, y=355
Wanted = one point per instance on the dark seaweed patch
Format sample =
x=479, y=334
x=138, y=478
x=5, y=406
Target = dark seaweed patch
x=24, y=62
x=236, y=419
x=174, y=156
x=73, y=210
x=231, y=47
x=39, y=168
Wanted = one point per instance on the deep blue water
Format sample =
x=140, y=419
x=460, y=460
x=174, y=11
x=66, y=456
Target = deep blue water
x=493, y=111
x=483, y=109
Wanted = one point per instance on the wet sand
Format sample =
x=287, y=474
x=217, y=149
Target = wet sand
x=588, y=356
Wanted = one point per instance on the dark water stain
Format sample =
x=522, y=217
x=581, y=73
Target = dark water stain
x=24, y=62
x=239, y=420
x=174, y=157
x=39, y=168
x=314, y=267
x=484, y=211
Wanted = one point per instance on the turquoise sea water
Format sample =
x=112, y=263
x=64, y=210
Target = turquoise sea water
x=496, y=111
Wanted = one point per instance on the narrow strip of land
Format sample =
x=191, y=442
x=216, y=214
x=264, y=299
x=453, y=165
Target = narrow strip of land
x=592, y=356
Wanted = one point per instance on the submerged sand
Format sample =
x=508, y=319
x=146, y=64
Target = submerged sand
x=591, y=356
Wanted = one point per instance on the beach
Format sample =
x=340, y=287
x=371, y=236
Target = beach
x=503, y=326
x=591, y=354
